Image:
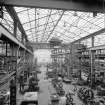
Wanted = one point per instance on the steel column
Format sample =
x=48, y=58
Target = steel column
x=92, y=39
x=15, y=28
x=92, y=63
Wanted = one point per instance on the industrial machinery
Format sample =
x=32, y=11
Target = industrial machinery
x=100, y=91
x=60, y=92
x=85, y=94
x=54, y=99
x=66, y=80
x=33, y=87
x=69, y=100
x=30, y=98
x=4, y=97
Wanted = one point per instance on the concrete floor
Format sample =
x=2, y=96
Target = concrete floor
x=46, y=89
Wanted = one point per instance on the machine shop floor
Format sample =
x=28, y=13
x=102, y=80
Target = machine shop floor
x=46, y=89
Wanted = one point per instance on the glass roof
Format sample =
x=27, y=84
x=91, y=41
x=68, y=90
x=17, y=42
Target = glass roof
x=41, y=25
x=8, y=23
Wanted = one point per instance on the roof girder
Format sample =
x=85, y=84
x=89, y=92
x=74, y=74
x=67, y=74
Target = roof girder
x=55, y=25
x=41, y=25
x=88, y=21
x=13, y=14
x=46, y=24
x=30, y=23
x=81, y=5
x=89, y=36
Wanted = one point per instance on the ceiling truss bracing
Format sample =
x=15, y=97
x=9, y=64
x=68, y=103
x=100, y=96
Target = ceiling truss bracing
x=40, y=46
x=40, y=25
x=13, y=14
x=36, y=26
x=55, y=25
x=75, y=23
x=72, y=26
x=47, y=35
x=77, y=5
x=90, y=36
x=39, y=18
x=30, y=24
x=8, y=23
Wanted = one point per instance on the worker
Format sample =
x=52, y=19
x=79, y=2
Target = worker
x=75, y=89
x=31, y=82
x=60, y=85
x=28, y=72
x=21, y=82
x=62, y=100
x=47, y=67
x=69, y=98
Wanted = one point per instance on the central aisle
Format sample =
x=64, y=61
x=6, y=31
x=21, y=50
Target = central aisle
x=45, y=88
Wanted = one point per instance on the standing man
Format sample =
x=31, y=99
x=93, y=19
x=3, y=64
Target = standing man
x=21, y=81
x=28, y=72
x=31, y=82
x=62, y=100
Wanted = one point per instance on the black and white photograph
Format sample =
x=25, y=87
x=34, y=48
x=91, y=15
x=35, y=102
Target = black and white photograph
x=52, y=52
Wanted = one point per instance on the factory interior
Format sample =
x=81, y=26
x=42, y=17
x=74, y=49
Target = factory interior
x=52, y=52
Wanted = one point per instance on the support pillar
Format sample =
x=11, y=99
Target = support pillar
x=92, y=39
x=14, y=53
x=6, y=48
x=15, y=28
x=92, y=55
x=70, y=64
x=22, y=38
x=68, y=70
x=79, y=63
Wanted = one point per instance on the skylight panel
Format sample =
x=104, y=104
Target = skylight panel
x=26, y=26
x=73, y=24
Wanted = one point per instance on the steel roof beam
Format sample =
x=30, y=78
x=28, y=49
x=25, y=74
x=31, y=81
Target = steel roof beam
x=5, y=32
x=77, y=5
x=39, y=31
x=40, y=25
x=36, y=23
x=40, y=18
x=29, y=23
x=24, y=10
x=88, y=21
x=55, y=25
x=100, y=47
x=89, y=36
x=46, y=24
x=69, y=37
x=13, y=14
